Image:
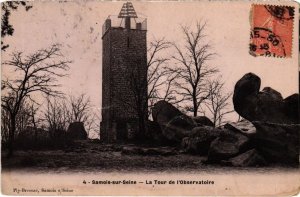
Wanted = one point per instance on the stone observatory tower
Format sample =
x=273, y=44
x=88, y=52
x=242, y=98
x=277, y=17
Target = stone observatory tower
x=124, y=57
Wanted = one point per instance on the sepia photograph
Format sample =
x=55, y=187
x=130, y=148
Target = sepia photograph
x=149, y=98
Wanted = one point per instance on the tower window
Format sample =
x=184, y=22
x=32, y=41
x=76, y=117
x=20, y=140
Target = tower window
x=128, y=41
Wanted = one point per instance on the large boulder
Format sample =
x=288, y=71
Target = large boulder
x=206, y=131
x=154, y=132
x=203, y=121
x=76, y=131
x=195, y=145
x=174, y=124
x=227, y=145
x=163, y=111
x=178, y=128
x=278, y=143
x=247, y=86
x=267, y=105
x=250, y=158
x=291, y=106
x=244, y=126
x=200, y=139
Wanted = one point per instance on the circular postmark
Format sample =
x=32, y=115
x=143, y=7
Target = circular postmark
x=265, y=43
x=281, y=12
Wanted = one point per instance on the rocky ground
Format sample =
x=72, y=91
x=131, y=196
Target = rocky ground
x=91, y=156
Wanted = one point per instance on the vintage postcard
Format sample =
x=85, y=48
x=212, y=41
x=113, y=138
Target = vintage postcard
x=137, y=98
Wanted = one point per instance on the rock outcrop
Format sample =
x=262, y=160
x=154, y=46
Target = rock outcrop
x=163, y=112
x=267, y=105
x=154, y=132
x=203, y=121
x=250, y=158
x=291, y=106
x=268, y=134
x=227, y=145
x=174, y=124
x=276, y=120
x=200, y=139
x=245, y=127
x=278, y=143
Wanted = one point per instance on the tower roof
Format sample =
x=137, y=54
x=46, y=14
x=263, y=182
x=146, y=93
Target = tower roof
x=127, y=11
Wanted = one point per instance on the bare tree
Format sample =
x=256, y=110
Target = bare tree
x=56, y=116
x=217, y=102
x=164, y=92
x=61, y=112
x=23, y=120
x=92, y=125
x=35, y=121
x=145, y=83
x=192, y=67
x=79, y=108
x=4, y=126
x=35, y=73
x=159, y=80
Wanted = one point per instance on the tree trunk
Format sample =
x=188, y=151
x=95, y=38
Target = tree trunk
x=34, y=128
x=195, y=113
x=195, y=106
x=142, y=128
x=215, y=119
x=11, y=137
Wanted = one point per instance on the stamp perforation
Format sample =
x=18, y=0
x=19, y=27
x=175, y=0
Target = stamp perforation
x=273, y=15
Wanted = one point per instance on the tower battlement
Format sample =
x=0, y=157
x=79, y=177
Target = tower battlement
x=126, y=19
x=113, y=21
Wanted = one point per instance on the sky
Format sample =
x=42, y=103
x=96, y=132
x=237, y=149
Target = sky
x=77, y=25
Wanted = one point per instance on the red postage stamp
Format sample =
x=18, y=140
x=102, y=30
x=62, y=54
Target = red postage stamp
x=271, y=30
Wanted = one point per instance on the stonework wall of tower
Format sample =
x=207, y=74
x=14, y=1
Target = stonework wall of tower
x=106, y=123
x=123, y=49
